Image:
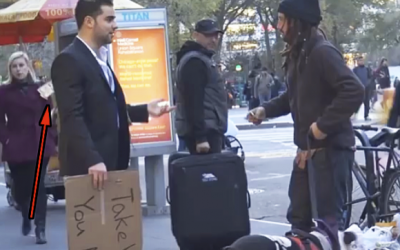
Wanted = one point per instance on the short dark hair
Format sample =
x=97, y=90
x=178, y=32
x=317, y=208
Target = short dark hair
x=90, y=8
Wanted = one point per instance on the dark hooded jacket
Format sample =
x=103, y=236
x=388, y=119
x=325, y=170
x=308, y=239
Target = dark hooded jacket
x=383, y=76
x=394, y=113
x=321, y=89
x=200, y=95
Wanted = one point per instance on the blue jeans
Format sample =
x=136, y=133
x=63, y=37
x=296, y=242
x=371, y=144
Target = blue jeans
x=181, y=145
x=264, y=97
x=332, y=170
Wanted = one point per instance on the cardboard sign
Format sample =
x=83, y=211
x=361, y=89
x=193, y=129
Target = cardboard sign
x=104, y=220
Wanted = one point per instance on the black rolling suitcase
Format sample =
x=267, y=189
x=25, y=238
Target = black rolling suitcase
x=208, y=198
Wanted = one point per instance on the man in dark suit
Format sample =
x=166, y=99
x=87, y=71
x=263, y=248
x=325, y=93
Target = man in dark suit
x=94, y=123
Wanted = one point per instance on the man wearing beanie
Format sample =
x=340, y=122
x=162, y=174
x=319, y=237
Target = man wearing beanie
x=322, y=95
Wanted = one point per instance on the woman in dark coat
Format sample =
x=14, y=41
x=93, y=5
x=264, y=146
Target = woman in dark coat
x=21, y=108
x=383, y=75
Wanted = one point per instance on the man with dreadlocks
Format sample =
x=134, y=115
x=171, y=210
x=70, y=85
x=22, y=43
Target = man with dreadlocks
x=322, y=95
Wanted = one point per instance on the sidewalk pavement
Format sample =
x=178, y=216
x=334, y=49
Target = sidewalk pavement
x=238, y=117
x=156, y=230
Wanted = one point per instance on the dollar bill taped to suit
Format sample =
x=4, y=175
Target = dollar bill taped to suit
x=46, y=90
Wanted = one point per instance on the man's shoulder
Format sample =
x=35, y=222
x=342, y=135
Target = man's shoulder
x=65, y=56
x=69, y=52
x=195, y=57
x=69, y=56
x=324, y=47
x=324, y=51
x=195, y=60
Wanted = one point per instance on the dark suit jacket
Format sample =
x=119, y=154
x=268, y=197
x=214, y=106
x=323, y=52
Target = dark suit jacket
x=20, y=134
x=88, y=111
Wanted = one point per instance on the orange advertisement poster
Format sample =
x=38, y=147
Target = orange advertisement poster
x=140, y=64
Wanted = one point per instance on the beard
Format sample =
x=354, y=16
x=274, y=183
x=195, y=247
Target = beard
x=105, y=40
x=102, y=39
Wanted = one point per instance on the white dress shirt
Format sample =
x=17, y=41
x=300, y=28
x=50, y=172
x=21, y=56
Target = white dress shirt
x=101, y=58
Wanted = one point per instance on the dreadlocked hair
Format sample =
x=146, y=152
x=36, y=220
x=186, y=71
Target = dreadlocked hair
x=298, y=33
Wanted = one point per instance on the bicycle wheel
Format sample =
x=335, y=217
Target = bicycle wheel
x=391, y=184
x=233, y=144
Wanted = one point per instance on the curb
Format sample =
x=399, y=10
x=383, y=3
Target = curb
x=249, y=126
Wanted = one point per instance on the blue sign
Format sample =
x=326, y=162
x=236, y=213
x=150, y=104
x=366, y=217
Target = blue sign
x=136, y=16
x=144, y=16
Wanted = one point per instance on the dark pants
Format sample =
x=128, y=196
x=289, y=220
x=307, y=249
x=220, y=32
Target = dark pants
x=254, y=103
x=215, y=141
x=373, y=97
x=332, y=170
x=23, y=175
x=367, y=99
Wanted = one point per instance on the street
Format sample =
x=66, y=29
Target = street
x=238, y=116
x=269, y=156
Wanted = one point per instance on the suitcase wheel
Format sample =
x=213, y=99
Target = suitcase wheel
x=167, y=195
x=248, y=199
x=10, y=199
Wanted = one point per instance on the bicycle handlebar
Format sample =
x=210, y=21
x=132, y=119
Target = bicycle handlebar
x=366, y=128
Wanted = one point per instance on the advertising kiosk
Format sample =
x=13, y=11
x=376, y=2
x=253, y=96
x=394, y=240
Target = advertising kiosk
x=139, y=56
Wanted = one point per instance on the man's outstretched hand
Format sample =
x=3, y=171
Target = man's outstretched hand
x=158, y=108
x=256, y=115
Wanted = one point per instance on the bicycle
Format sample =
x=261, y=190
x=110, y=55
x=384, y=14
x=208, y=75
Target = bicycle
x=375, y=180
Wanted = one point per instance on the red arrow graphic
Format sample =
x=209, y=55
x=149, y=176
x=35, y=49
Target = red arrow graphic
x=45, y=122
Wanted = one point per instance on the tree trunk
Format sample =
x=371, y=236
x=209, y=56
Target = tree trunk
x=217, y=56
x=335, y=35
x=175, y=28
x=279, y=43
x=269, y=51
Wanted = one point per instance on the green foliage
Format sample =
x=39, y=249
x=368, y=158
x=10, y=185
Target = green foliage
x=181, y=13
x=383, y=32
x=341, y=19
x=380, y=36
x=189, y=12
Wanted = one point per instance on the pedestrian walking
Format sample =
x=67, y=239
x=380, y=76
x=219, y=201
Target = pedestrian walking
x=253, y=100
x=202, y=112
x=322, y=95
x=263, y=86
x=365, y=75
x=21, y=108
x=383, y=75
x=94, y=126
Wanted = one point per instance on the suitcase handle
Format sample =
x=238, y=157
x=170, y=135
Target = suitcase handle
x=167, y=195
x=248, y=199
